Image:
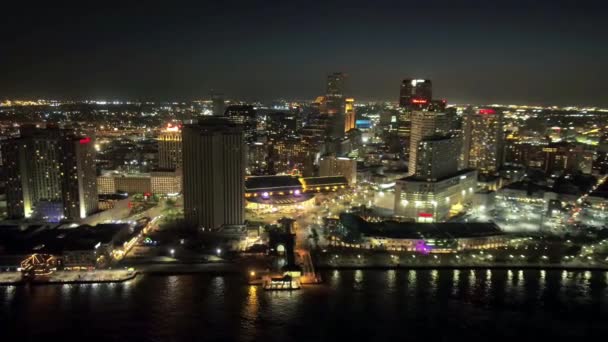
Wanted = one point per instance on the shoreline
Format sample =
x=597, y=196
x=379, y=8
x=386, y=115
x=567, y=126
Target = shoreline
x=162, y=270
x=465, y=266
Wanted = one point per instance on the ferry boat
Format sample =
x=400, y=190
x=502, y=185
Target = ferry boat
x=285, y=282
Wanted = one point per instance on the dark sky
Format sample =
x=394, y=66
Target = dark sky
x=535, y=52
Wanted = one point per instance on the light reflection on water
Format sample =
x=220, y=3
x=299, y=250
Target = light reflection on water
x=225, y=308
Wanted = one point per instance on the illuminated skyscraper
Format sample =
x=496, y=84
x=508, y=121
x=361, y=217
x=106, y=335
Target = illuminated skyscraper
x=483, y=140
x=415, y=92
x=414, y=95
x=213, y=173
x=349, y=114
x=50, y=174
x=170, y=148
x=424, y=125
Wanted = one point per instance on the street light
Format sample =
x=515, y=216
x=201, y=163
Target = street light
x=218, y=251
x=172, y=251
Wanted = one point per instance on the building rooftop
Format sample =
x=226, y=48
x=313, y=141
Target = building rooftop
x=57, y=240
x=414, y=230
x=324, y=181
x=282, y=200
x=258, y=183
x=459, y=173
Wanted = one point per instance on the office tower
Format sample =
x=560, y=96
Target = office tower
x=437, y=157
x=213, y=173
x=424, y=125
x=336, y=85
x=245, y=115
x=217, y=101
x=334, y=97
x=349, y=114
x=170, y=148
x=415, y=92
x=334, y=104
x=564, y=157
x=483, y=140
x=332, y=166
x=50, y=175
x=404, y=124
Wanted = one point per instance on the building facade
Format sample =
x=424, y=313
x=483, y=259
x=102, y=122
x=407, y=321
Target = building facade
x=50, y=174
x=434, y=201
x=349, y=114
x=483, y=140
x=336, y=166
x=170, y=148
x=424, y=125
x=436, y=157
x=415, y=89
x=214, y=173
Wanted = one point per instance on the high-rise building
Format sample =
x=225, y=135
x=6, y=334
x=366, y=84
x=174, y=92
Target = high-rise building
x=334, y=104
x=245, y=115
x=564, y=157
x=336, y=84
x=414, y=95
x=415, y=92
x=349, y=114
x=213, y=173
x=437, y=157
x=219, y=106
x=483, y=140
x=334, y=97
x=424, y=125
x=170, y=148
x=333, y=166
x=50, y=174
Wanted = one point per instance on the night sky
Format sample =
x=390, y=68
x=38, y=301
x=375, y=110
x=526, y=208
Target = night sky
x=548, y=52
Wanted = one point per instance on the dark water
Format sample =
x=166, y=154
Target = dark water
x=356, y=305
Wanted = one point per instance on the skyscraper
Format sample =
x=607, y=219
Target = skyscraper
x=415, y=92
x=483, y=140
x=437, y=157
x=349, y=114
x=424, y=125
x=170, y=148
x=414, y=95
x=219, y=106
x=213, y=173
x=336, y=84
x=50, y=174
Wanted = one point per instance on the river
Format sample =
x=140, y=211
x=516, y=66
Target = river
x=372, y=304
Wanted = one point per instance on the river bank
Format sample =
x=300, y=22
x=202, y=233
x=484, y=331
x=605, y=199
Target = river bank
x=71, y=277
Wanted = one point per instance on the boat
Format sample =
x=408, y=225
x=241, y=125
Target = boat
x=285, y=282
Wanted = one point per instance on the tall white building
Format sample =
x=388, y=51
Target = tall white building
x=424, y=125
x=213, y=173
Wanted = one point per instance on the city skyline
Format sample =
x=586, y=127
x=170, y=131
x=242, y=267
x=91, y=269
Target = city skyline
x=503, y=53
